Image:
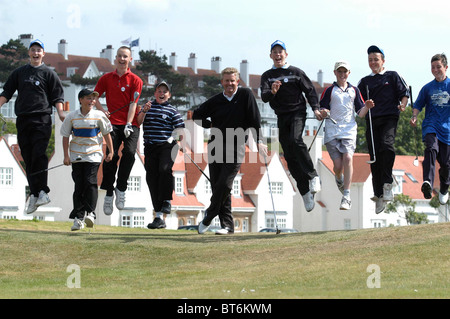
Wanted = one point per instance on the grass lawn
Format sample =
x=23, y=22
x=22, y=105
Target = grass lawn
x=115, y=262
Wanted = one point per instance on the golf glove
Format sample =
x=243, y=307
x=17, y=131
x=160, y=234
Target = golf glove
x=128, y=130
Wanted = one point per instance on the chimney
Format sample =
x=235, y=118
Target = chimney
x=215, y=64
x=108, y=53
x=26, y=39
x=63, y=48
x=320, y=78
x=173, y=61
x=192, y=62
x=194, y=134
x=244, y=76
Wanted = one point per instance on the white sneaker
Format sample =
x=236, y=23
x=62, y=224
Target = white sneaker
x=202, y=228
x=43, y=199
x=315, y=185
x=32, y=205
x=77, y=224
x=387, y=192
x=120, y=199
x=443, y=198
x=340, y=184
x=108, y=205
x=346, y=203
x=380, y=205
x=89, y=220
x=308, y=200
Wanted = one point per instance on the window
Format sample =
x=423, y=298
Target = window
x=347, y=224
x=138, y=221
x=208, y=189
x=378, y=223
x=397, y=184
x=236, y=188
x=277, y=187
x=270, y=222
x=6, y=176
x=411, y=177
x=179, y=185
x=126, y=221
x=134, y=184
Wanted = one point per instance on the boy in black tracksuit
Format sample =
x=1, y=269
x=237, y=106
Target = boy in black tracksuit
x=231, y=112
x=283, y=87
x=39, y=88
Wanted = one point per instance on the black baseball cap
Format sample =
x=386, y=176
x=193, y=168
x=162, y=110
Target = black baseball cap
x=374, y=49
x=86, y=92
x=163, y=83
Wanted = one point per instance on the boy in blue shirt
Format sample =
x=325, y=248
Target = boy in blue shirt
x=159, y=120
x=435, y=97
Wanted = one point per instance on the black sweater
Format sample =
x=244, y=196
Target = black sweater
x=240, y=113
x=289, y=97
x=38, y=89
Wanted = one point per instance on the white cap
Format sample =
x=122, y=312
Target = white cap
x=342, y=64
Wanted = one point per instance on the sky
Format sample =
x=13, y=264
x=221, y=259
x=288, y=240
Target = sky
x=316, y=33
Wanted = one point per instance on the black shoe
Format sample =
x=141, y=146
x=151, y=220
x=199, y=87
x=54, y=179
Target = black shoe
x=157, y=223
x=426, y=190
x=166, y=207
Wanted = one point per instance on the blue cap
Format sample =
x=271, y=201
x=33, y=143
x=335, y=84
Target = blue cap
x=278, y=42
x=38, y=42
x=374, y=49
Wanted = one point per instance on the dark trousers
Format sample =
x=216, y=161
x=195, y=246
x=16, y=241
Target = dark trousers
x=384, y=132
x=85, y=194
x=436, y=150
x=158, y=165
x=290, y=128
x=126, y=161
x=221, y=176
x=33, y=135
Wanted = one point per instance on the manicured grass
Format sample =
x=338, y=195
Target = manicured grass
x=116, y=262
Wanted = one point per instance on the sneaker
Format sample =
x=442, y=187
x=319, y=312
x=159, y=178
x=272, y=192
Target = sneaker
x=224, y=231
x=166, y=207
x=202, y=228
x=380, y=205
x=77, y=224
x=43, y=199
x=157, y=223
x=308, y=200
x=443, y=198
x=340, y=184
x=427, y=190
x=108, y=205
x=120, y=199
x=346, y=203
x=31, y=205
x=387, y=192
x=315, y=185
x=90, y=220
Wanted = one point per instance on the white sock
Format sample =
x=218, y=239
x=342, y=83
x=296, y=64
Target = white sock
x=160, y=215
x=346, y=193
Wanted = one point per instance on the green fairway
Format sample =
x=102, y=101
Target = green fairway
x=45, y=259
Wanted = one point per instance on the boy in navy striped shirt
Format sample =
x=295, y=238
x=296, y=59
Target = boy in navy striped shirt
x=160, y=120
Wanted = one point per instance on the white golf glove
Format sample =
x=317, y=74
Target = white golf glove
x=128, y=130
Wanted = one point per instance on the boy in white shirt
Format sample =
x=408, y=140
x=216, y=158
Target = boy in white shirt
x=87, y=127
x=340, y=101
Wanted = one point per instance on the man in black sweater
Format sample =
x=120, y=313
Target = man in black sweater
x=283, y=87
x=39, y=88
x=231, y=113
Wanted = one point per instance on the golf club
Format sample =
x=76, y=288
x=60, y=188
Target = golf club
x=314, y=139
x=136, y=95
x=4, y=123
x=198, y=167
x=270, y=190
x=53, y=167
x=416, y=160
x=371, y=131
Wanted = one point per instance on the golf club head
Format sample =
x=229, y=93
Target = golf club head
x=278, y=231
x=372, y=161
x=136, y=95
x=416, y=162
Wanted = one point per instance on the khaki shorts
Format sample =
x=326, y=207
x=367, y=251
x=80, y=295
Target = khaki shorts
x=337, y=147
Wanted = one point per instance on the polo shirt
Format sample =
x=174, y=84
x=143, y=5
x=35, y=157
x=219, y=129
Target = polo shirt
x=119, y=92
x=159, y=123
x=87, y=134
x=342, y=105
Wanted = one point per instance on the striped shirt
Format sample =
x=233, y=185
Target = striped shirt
x=87, y=134
x=159, y=123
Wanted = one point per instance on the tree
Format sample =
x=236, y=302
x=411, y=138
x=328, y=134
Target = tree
x=13, y=55
x=153, y=65
x=406, y=204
